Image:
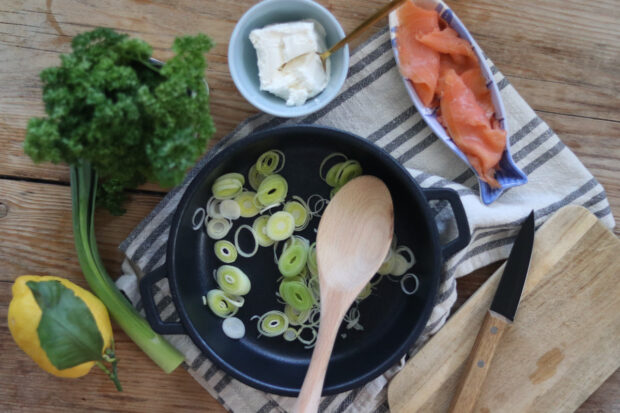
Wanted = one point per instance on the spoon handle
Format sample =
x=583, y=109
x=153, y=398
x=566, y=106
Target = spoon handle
x=378, y=15
x=310, y=395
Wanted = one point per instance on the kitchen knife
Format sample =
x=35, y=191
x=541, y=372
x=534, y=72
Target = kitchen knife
x=498, y=318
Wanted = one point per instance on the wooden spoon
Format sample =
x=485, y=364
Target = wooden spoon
x=353, y=239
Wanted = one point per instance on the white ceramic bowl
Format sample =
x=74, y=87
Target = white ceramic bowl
x=242, y=55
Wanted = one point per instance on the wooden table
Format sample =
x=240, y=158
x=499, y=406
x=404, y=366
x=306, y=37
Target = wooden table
x=562, y=55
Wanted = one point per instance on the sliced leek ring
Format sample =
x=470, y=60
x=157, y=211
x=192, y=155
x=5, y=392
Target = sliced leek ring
x=403, y=284
x=217, y=228
x=280, y=226
x=233, y=328
x=327, y=159
x=401, y=265
x=260, y=231
x=296, y=318
x=247, y=207
x=349, y=170
x=220, y=304
x=272, y=323
x=296, y=294
x=272, y=190
x=225, y=251
x=241, y=251
x=270, y=162
x=232, y=280
x=230, y=209
x=299, y=212
x=255, y=177
x=293, y=259
x=311, y=260
x=228, y=185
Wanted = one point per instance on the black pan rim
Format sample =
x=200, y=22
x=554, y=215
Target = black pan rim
x=199, y=341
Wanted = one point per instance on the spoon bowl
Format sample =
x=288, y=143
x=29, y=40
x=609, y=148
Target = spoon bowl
x=353, y=239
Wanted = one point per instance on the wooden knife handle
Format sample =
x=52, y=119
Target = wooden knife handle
x=478, y=363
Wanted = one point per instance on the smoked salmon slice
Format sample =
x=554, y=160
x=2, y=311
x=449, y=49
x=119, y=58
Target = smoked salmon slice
x=447, y=41
x=474, y=80
x=446, y=74
x=469, y=127
x=419, y=63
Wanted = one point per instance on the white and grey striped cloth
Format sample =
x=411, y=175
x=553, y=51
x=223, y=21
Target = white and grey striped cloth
x=374, y=105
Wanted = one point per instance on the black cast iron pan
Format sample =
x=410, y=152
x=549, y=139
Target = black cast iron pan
x=392, y=320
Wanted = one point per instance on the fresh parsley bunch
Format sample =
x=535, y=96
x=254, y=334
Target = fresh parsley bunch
x=131, y=119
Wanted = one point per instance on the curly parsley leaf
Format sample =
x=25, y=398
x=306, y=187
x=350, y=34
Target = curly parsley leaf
x=131, y=119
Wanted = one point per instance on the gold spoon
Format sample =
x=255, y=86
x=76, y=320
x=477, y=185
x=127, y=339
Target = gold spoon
x=379, y=14
x=353, y=239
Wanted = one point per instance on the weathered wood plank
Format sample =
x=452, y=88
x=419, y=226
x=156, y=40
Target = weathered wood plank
x=561, y=55
x=557, y=70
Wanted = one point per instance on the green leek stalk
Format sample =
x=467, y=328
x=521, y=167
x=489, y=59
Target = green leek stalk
x=83, y=193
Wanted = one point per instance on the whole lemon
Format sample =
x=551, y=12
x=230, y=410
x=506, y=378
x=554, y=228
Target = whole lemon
x=25, y=315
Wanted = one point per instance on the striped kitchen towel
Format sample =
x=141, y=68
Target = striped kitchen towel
x=374, y=104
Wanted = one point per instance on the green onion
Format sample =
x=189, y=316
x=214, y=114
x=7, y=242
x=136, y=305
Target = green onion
x=296, y=294
x=318, y=205
x=408, y=252
x=232, y=280
x=270, y=162
x=272, y=323
x=400, y=265
x=255, y=177
x=416, y=285
x=213, y=208
x=332, y=175
x=293, y=259
x=198, y=218
x=327, y=159
x=217, y=228
x=241, y=252
x=311, y=261
x=225, y=251
x=228, y=185
x=290, y=334
x=230, y=209
x=349, y=170
x=247, y=207
x=233, y=328
x=272, y=190
x=309, y=342
x=260, y=231
x=221, y=305
x=280, y=226
x=296, y=318
x=299, y=211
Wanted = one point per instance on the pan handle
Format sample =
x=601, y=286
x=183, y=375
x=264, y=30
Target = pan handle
x=150, y=308
x=462, y=225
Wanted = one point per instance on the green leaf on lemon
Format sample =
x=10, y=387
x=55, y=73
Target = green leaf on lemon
x=67, y=331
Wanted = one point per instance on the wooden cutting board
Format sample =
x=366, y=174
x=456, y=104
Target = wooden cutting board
x=564, y=343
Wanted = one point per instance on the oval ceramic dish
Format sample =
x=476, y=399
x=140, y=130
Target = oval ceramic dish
x=508, y=174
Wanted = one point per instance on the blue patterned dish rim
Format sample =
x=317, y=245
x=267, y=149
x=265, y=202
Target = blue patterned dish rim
x=508, y=175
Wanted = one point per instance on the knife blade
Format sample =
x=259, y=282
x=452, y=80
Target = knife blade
x=508, y=293
x=499, y=316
